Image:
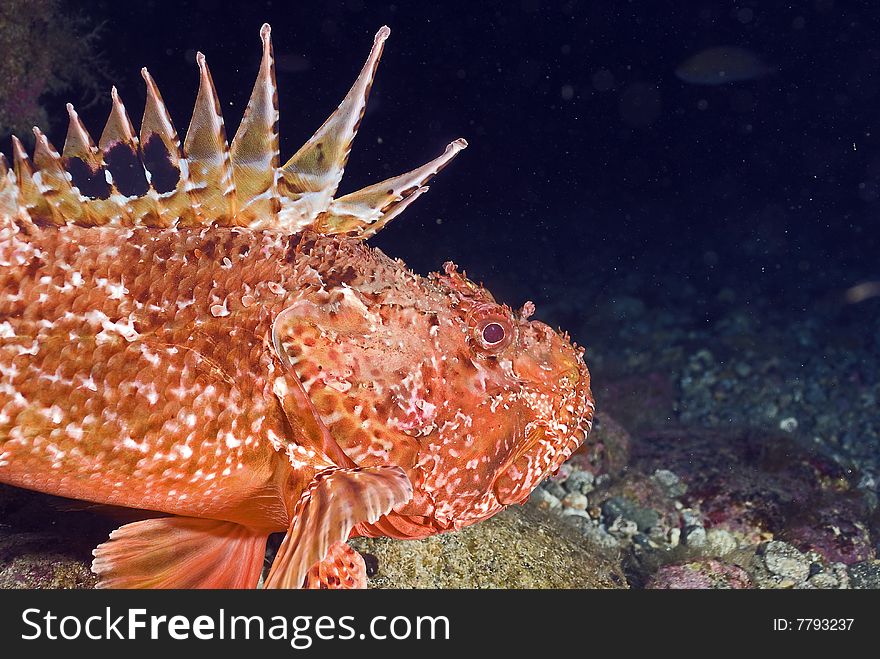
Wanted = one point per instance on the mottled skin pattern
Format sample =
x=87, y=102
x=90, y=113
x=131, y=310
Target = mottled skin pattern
x=138, y=369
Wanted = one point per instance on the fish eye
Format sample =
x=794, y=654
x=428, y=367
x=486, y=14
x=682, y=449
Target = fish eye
x=493, y=333
x=491, y=328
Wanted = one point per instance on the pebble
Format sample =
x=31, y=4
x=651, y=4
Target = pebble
x=623, y=528
x=576, y=512
x=580, y=481
x=562, y=473
x=556, y=489
x=545, y=500
x=865, y=574
x=822, y=581
x=695, y=536
x=720, y=542
x=672, y=485
x=786, y=561
x=575, y=500
x=788, y=424
x=643, y=518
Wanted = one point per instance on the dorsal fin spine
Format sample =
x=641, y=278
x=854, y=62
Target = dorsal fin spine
x=129, y=179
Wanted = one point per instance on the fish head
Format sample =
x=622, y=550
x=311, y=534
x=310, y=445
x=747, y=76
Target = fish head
x=517, y=399
x=476, y=401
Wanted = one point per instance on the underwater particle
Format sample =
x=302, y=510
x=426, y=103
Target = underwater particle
x=702, y=104
x=567, y=92
x=863, y=291
x=721, y=65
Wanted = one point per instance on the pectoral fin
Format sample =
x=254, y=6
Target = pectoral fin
x=343, y=568
x=328, y=510
x=180, y=552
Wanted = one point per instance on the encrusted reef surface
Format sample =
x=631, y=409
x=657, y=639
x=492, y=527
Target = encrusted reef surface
x=521, y=547
x=711, y=508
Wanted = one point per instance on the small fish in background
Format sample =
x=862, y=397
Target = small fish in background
x=721, y=65
x=863, y=291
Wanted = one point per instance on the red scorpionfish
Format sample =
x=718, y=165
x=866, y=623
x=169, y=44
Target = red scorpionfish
x=200, y=332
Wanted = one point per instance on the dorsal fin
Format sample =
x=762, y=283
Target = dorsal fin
x=207, y=155
x=310, y=178
x=255, y=146
x=151, y=179
x=121, y=150
x=84, y=162
x=366, y=211
x=29, y=194
x=54, y=183
x=162, y=157
x=12, y=213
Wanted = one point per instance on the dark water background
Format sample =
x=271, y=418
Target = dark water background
x=588, y=155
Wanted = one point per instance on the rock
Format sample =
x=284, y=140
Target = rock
x=575, y=500
x=822, y=581
x=580, y=481
x=695, y=536
x=720, y=542
x=606, y=450
x=544, y=500
x=760, y=486
x=556, y=489
x=521, y=547
x=26, y=561
x=672, y=485
x=644, y=518
x=865, y=574
x=786, y=561
x=788, y=424
x=710, y=573
x=834, y=528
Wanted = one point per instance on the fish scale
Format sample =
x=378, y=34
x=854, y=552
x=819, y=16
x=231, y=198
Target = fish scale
x=192, y=330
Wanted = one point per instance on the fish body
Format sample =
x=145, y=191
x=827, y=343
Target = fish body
x=206, y=335
x=721, y=65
